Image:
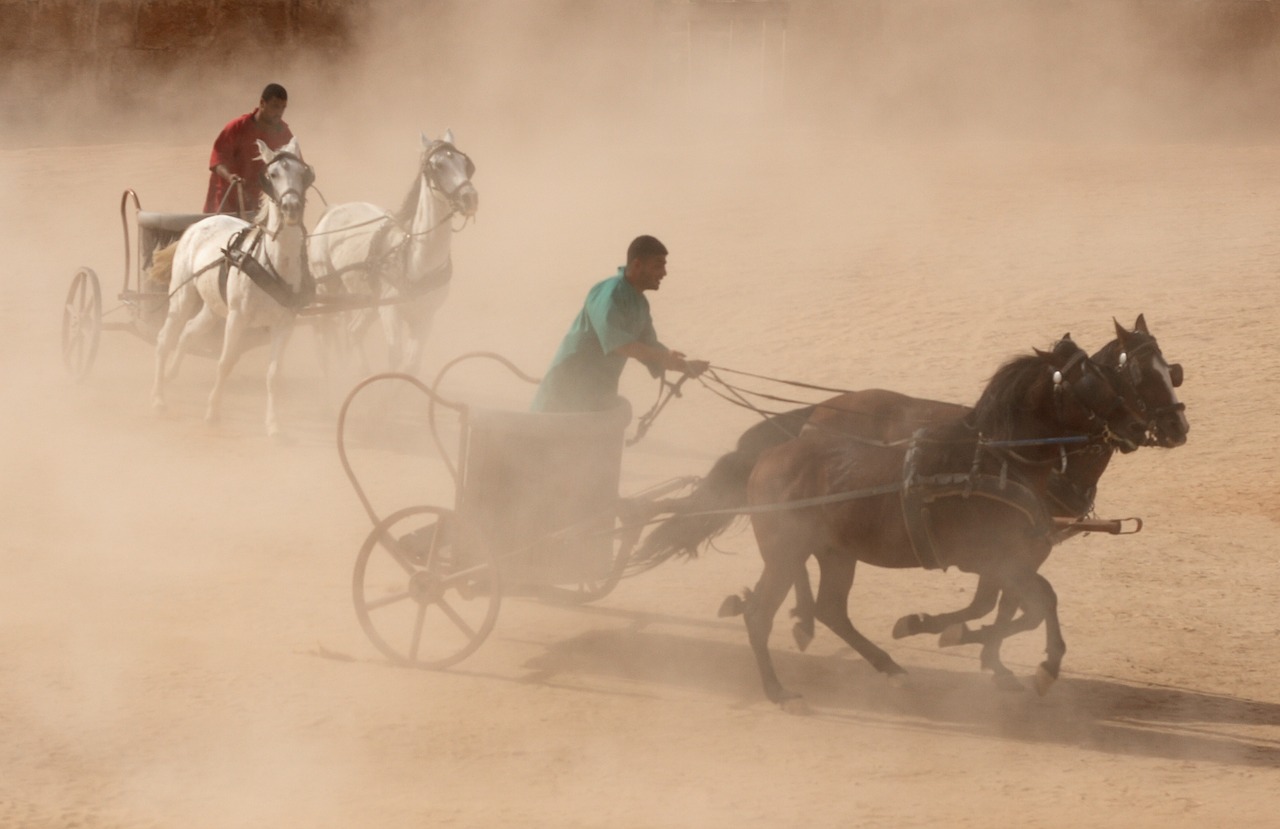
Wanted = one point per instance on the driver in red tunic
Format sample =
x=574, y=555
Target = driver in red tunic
x=235, y=155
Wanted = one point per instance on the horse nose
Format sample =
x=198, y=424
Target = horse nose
x=1173, y=432
x=470, y=200
x=292, y=206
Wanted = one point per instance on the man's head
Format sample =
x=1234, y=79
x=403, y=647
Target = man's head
x=271, y=107
x=646, y=263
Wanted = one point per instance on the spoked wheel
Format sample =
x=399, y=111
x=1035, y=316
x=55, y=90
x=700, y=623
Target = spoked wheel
x=424, y=599
x=597, y=587
x=81, y=323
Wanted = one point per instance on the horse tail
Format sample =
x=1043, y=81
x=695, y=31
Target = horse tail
x=724, y=488
x=161, y=270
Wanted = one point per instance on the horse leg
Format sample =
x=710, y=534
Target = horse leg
x=984, y=599
x=180, y=310
x=327, y=348
x=356, y=332
x=1040, y=603
x=395, y=338
x=802, y=631
x=231, y=348
x=990, y=659
x=832, y=609
x=279, y=339
x=758, y=610
x=204, y=324
x=413, y=356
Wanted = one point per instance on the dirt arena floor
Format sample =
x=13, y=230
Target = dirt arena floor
x=179, y=647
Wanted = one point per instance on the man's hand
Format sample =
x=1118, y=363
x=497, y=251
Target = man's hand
x=676, y=361
x=695, y=367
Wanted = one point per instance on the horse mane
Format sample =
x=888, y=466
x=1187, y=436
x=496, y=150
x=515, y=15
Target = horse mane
x=1004, y=400
x=264, y=209
x=409, y=208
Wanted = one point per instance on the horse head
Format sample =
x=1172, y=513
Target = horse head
x=1086, y=399
x=285, y=179
x=1138, y=366
x=1058, y=393
x=448, y=171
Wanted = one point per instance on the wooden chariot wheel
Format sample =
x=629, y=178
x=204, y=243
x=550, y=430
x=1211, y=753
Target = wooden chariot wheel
x=81, y=323
x=425, y=597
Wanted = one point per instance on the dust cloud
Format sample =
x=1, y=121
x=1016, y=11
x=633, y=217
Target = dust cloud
x=896, y=195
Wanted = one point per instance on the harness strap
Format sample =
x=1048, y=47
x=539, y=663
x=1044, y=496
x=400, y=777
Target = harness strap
x=920, y=491
x=264, y=275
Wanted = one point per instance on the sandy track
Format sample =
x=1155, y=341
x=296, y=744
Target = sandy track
x=179, y=647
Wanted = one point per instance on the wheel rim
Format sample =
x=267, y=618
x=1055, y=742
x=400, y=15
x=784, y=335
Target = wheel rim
x=421, y=599
x=81, y=323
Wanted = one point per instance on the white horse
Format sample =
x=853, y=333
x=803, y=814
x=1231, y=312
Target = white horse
x=252, y=275
x=403, y=258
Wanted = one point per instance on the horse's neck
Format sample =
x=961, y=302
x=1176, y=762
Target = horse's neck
x=1085, y=467
x=283, y=245
x=431, y=232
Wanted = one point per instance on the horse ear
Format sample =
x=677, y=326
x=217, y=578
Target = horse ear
x=1066, y=337
x=448, y=136
x=1121, y=334
x=426, y=142
x=264, y=152
x=1141, y=325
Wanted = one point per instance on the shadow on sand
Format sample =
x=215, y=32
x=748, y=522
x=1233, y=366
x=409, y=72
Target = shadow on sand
x=1097, y=713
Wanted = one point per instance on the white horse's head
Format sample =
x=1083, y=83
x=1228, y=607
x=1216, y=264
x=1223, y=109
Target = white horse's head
x=286, y=179
x=449, y=171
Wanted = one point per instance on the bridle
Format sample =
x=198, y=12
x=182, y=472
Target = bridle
x=308, y=178
x=1086, y=388
x=436, y=148
x=1129, y=370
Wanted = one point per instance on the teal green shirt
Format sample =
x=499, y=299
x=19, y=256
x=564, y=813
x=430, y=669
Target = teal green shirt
x=584, y=373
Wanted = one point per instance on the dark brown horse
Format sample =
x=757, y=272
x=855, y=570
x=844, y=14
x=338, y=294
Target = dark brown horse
x=967, y=493
x=1135, y=366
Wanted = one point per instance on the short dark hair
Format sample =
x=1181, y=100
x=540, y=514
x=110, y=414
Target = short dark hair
x=272, y=91
x=643, y=246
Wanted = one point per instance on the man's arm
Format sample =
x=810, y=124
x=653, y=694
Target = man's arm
x=225, y=174
x=661, y=358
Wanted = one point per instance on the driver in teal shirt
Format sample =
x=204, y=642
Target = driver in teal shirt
x=613, y=325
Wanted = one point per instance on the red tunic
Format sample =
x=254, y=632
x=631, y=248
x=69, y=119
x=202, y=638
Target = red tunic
x=236, y=148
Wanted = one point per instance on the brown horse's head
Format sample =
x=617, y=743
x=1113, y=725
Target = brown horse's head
x=1140, y=370
x=1058, y=393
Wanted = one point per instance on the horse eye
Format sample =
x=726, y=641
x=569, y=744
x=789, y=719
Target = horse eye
x=1175, y=374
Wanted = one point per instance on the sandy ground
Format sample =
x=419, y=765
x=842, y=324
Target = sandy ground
x=179, y=646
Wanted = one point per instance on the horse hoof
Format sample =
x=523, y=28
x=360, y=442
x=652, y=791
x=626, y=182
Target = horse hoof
x=731, y=606
x=898, y=680
x=953, y=635
x=795, y=705
x=1044, y=680
x=908, y=626
x=803, y=635
x=1007, y=682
